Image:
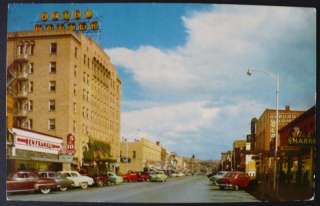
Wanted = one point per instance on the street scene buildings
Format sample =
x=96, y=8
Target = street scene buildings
x=159, y=116
x=292, y=170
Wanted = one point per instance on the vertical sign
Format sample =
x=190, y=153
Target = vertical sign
x=70, y=144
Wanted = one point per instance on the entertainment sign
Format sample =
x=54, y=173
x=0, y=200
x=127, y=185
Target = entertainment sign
x=67, y=21
x=27, y=140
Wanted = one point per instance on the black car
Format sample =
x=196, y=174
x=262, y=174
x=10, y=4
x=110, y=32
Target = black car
x=62, y=182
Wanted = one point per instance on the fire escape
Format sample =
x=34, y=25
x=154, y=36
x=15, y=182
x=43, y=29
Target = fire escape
x=17, y=82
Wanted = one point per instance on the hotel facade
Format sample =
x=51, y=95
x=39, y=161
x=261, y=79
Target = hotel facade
x=63, y=84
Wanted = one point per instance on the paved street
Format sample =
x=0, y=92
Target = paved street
x=182, y=189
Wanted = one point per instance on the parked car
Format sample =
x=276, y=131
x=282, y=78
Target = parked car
x=234, y=180
x=158, y=177
x=130, y=177
x=78, y=179
x=63, y=183
x=180, y=174
x=100, y=178
x=143, y=176
x=174, y=175
x=29, y=181
x=209, y=175
x=217, y=176
x=114, y=179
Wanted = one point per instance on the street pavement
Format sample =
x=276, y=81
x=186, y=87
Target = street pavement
x=179, y=189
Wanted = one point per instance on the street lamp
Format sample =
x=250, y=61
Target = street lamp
x=276, y=78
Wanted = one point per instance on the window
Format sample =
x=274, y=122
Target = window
x=31, y=86
x=52, y=67
x=74, y=126
x=83, y=111
x=53, y=48
x=75, y=71
x=134, y=154
x=74, y=107
x=51, y=124
x=30, y=105
x=20, y=49
x=31, y=68
x=84, y=59
x=84, y=77
x=75, y=52
x=52, y=86
x=30, y=124
x=31, y=49
x=52, y=105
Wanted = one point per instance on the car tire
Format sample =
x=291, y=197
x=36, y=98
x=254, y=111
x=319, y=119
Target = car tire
x=45, y=190
x=236, y=187
x=63, y=188
x=84, y=185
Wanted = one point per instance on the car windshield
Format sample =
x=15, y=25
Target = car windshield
x=229, y=174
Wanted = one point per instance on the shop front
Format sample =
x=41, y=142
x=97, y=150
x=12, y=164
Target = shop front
x=297, y=151
x=30, y=150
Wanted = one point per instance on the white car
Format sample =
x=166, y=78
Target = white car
x=114, y=179
x=78, y=179
x=174, y=175
x=218, y=176
x=180, y=174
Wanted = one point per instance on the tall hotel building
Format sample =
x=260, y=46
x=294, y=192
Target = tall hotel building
x=65, y=83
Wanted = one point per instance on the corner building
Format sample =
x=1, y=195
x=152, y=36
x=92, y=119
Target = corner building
x=66, y=84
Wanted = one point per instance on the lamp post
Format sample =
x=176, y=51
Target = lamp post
x=276, y=78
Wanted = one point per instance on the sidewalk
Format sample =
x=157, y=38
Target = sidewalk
x=292, y=192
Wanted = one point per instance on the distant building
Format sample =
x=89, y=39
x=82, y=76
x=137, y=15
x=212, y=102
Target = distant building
x=226, y=161
x=239, y=155
x=140, y=154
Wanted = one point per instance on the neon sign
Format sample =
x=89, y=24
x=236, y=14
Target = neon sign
x=77, y=20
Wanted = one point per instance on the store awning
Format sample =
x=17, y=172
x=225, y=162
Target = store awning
x=48, y=160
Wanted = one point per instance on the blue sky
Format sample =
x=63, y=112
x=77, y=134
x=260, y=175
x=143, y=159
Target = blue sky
x=183, y=66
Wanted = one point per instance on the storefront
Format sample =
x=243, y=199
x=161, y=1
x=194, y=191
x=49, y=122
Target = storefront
x=30, y=150
x=297, y=150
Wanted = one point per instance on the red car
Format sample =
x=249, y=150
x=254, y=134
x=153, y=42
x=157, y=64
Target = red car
x=29, y=181
x=234, y=180
x=130, y=177
x=143, y=176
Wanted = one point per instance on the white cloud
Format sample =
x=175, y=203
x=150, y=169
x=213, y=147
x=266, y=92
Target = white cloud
x=168, y=121
x=210, y=67
x=221, y=44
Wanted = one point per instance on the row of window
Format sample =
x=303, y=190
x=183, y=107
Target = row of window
x=51, y=124
x=28, y=48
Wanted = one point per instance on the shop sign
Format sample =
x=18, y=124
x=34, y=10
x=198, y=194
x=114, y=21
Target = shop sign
x=78, y=21
x=65, y=158
x=298, y=138
x=70, y=148
x=30, y=141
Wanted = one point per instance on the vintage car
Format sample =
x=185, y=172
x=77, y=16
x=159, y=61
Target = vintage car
x=180, y=174
x=100, y=178
x=62, y=182
x=158, y=177
x=114, y=179
x=216, y=177
x=78, y=179
x=130, y=177
x=234, y=180
x=143, y=176
x=29, y=181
